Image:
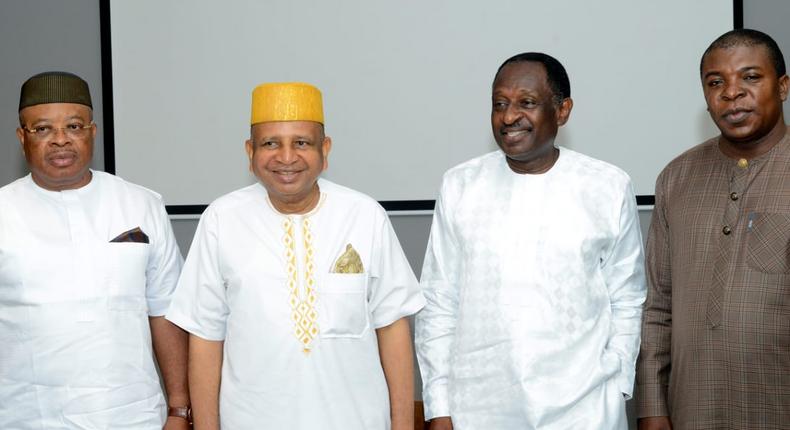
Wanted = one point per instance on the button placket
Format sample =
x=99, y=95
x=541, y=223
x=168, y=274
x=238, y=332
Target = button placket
x=722, y=270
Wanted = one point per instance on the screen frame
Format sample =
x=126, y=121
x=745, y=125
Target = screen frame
x=109, y=137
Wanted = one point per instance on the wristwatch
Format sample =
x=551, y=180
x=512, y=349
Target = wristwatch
x=184, y=412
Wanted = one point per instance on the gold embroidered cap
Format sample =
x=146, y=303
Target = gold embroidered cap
x=286, y=101
x=54, y=87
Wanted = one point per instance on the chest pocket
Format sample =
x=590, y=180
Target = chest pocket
x=769, y=242
x=125, y=264
x=344, y=305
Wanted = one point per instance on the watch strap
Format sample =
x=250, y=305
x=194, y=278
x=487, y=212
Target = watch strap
x=184, y=412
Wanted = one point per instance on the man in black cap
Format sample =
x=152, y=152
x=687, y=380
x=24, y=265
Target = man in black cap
x=87, y=266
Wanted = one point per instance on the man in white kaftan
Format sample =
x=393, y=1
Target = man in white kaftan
x=298, y=284
x=533, y=275
x=74, y=322
x=88, y=262
x=233, y=288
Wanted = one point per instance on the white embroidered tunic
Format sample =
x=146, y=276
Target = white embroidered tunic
x=534, y=286
x=237, y=286
x=75, y=341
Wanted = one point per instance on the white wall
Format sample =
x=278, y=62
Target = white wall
x=406, y=84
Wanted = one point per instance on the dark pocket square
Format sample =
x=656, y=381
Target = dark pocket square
x=134, y=235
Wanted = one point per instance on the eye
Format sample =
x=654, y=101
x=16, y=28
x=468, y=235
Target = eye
x=529, y=104
x=74, y=126
x=499, y=105
x=715, y=82
x=42, y=128
x=301, y=143
x=752, y=78
x=268, y=144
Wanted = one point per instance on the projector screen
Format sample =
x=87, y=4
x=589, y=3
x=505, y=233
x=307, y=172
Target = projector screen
x=406, y=84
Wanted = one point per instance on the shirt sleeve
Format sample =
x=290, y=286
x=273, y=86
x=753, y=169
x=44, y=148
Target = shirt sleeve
x=624, y=274
x=164, y=265
x=653, y=368
x=435, y=324
x=394, y=290
x=199, y=305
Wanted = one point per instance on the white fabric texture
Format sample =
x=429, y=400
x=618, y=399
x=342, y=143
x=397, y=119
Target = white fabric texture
x=76, y=344
x=233, y=288
x=534, y=286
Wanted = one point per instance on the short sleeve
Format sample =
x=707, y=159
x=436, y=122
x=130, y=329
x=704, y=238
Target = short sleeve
x=199, y=304
x=394, y=291
x=164, y=265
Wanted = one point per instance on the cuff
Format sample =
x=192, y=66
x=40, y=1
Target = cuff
x=415, y=305
x=436, y=402
x=217, y=334
x=625, y=382
x=158, y=307
x=651, y=401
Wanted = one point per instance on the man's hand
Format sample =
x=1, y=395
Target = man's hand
x=654, y=423
x=176, y=423
x=442, y=423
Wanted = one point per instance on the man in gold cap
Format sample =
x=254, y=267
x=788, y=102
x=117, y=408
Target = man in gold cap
x=88, y=263
x=296, y=290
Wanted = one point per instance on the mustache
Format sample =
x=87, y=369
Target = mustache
x=61, y=152
x=518, y=126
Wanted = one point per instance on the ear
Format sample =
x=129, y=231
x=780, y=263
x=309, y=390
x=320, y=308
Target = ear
x=564, y=111
x=94, y=128
x=250, y=151
x=783, y=86
x=20, y=134
x=326, y=146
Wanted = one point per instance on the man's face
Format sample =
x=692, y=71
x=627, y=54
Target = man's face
x=287, y=157
x=524, y=115
x=59, y=153
x=743, y=93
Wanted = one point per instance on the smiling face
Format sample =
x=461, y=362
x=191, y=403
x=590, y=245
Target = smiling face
x=60, y=161
x=525, y=115
x=287, y=157
x=744, y=95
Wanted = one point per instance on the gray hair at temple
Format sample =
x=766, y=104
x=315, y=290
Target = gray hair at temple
x=54, y=87
x=750, y=38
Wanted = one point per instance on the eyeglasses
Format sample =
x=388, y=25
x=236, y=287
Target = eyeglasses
x=74, y=131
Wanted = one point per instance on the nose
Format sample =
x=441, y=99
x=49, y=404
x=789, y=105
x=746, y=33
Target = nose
x=732, y=91
x=286, y=154
x=511, y=115
x=59, y=136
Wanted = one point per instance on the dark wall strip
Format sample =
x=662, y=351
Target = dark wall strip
x=737, y=9
x=185, y=209
x=408, y=205
x=645, y=200
x=106, y=80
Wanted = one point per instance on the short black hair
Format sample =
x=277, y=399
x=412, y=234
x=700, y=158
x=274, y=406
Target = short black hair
x=556, y=75
x=750, y=38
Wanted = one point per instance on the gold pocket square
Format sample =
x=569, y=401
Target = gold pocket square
x=348, y=262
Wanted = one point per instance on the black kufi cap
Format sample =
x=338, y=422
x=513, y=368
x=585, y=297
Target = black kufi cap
x=54, y=87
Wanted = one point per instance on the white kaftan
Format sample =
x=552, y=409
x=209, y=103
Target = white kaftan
x=75, y=341
x=534, y=286
x=235, y=287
